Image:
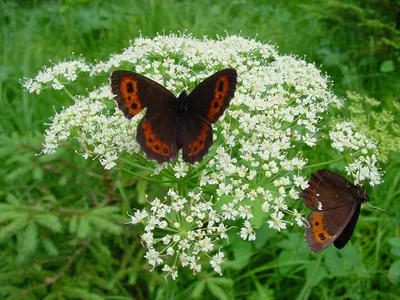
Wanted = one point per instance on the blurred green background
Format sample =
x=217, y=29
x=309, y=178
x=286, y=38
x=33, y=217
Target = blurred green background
x=61, y=217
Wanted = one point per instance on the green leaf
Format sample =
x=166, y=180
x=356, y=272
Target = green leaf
x=12, y=199
x=49, y=247
x=334, y=265
x=13, y=227
x=198, y=289
x=315, y=272
x=30, y=238
x=103, y=224
x=395, y=243
x=83, y=228
x=242, y=251
x=394, y=272
x=73, y=224
x=217, y=291
x=263, y=234
x=50, y=221
x=387, y=66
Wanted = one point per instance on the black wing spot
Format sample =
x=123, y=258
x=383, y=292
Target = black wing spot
x=189, y=150
x=322, y=236
x=195, y=149
x=316, y=223
x=165, y=150
x=216, y=105
x=133, y=105
x=201, y=142
x=157, y=147
x=220, y=86
x=129, y=87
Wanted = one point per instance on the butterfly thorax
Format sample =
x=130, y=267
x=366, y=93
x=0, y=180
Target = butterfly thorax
x=181, y=103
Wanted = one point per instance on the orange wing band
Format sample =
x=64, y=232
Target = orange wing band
x=220, y=92
x=199, y=144
x=130, y=94
x=153, y=143
x=320, y=234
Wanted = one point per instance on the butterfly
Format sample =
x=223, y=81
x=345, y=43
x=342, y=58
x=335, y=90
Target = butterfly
x=172, y=123
x=336, y=204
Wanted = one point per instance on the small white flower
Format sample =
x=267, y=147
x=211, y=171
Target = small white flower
x=247, y=232
x=217, y=261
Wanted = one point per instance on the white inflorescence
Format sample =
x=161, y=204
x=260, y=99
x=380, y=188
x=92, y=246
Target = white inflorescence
x=255, y=163
x=364, y=162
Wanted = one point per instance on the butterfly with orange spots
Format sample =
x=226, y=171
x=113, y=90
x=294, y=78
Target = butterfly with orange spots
x=172, y=123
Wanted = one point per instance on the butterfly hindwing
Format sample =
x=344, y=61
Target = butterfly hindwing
x=212, y=96
x=347, y=232
x=133, y=92
x=157, y=137
x=197, y=137
x=324, y=227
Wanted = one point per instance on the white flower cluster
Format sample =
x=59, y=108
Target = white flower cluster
x=255, y=163
x=363, y=165
x=56, y=76
x=180, y=230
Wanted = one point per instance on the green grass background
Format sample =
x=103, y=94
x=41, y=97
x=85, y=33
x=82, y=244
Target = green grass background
x=65, y=256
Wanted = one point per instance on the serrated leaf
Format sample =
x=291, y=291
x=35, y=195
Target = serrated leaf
x=37, y=174
x=49, y=247
x=73, y=224
x=104, y=224
x=394, y=272
x=30, y=238
x=217, y=291
x=198, y=289
x=107, y=210
x=10, y=198
x=13, y=227
x=83, y=228
x=52, y=222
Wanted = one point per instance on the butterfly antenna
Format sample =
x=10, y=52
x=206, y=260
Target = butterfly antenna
x=374, y=207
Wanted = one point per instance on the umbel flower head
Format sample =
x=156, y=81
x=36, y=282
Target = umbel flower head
x=260, y=145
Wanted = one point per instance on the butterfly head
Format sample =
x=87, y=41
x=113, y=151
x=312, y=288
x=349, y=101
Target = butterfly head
x=182, y=100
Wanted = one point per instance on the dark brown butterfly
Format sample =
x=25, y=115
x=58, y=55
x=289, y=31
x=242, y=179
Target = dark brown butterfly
x=336, y=204
x=173, y=123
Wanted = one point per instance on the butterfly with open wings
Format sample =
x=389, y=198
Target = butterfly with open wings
x=172, y=123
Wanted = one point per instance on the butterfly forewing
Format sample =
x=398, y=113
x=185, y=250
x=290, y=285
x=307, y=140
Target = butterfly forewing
x=133, y=92
x=212, y=96
x=327, y=190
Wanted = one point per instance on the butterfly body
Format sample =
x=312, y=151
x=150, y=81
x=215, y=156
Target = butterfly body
x=336, y=204
x=173, y=123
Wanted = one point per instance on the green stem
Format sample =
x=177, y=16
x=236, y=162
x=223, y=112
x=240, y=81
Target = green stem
x=136, y=165
x=146, y=178
x=324, y=163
